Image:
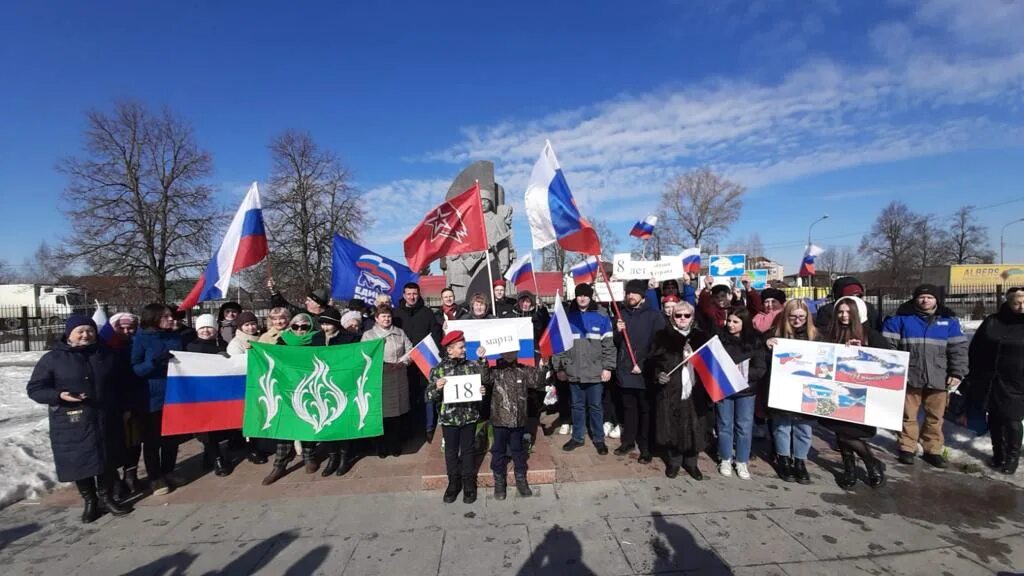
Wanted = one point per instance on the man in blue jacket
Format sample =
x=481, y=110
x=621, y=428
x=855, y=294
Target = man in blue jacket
x=938, y=363
x=640, y=323
x=587, y=366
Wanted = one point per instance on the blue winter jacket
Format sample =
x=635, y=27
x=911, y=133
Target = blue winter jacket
x=937, y=345
x=593, y=349
x=148, y=347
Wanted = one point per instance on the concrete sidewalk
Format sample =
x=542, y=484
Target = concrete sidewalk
x=923, y=522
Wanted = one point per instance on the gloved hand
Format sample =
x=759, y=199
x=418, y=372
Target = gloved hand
x=163, y=357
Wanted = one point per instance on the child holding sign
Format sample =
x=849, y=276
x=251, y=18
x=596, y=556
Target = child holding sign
x=509, y=382
x=459, y=413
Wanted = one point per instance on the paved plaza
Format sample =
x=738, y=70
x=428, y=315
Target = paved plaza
x=603, y=515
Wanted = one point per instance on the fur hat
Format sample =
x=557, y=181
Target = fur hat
x=929, y=289
x=636, y=286
x=774, y=294
x=584, y=290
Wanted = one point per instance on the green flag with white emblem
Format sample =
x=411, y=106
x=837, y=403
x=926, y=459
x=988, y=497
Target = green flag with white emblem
x=314, y=393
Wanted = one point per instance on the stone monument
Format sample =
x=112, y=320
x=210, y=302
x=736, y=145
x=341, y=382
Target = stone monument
x=460, y=270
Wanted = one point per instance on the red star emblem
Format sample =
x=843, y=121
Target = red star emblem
x=446, y=221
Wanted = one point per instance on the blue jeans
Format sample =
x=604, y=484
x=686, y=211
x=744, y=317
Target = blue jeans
x=792, y=434
x=587, y=398
x=735, y=420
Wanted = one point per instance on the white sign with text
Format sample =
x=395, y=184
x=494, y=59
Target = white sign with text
x=462, y=389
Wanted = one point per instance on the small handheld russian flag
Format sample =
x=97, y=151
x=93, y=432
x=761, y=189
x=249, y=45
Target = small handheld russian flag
x=520, y=274
x=425, y=355
x=557, y=338
x=585, y=271
x=807, y=265
x=691, y=260
x=104, y=330
x=719, y=374
x=644, y=229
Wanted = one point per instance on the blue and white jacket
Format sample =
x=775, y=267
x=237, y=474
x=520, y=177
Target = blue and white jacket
x=937, y=345
x=593, y=348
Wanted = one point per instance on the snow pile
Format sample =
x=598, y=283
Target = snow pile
x=26, y=460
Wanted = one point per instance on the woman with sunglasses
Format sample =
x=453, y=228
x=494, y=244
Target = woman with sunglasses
x=792, y=432
x=299, y=333
x=849, y=325
x=681, y=405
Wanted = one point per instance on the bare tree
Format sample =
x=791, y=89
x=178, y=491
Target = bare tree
x=891, y=244
x=838, y=261
x=929, y=243
x=136, y=198
x=7, y=274
x=751, y=246
x=698, y=207
x=966, y=241
x=45, y=266
x=310, y=199
x=558, y=260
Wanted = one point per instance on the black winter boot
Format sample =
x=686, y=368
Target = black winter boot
x=469, y=489
x=847, y=479
x=785, y=469
x=131, y=480
x=876, y=471
x=800, y=471
x=348, y=460
x=276, y=474
x=87, y=488
x=1011, y=463
x=332, y=465
x=222, y=462
x=106, y=498
x=998, y=451
x=453, y=489
x=500, y=486
x=254, y=454
x=523, y=487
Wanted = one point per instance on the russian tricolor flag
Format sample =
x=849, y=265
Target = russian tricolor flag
x=585, y=271
x=425, y=355
x=807, y=264
x=244, y=245
x=520, y=274
x=691, y=260
x=717, y=371
x=104, y=331
x=558, y=336
x=205, y=392
x=644, y=229
x=551, y=209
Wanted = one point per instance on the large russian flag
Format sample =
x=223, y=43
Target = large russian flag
x=520, y=274
x=717, y=371
x=558, y=336
x=807, y=264
x=551, y=209
x=644, y=229
x=205, y=392
x=476, y=330
x=425, y=355
x=585, y=271
x=691, y=260
x=244, y=244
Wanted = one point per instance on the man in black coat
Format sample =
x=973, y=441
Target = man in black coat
x=418, y=321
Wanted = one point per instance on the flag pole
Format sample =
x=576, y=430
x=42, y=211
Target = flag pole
x=487, y=252
x=615, y=306
x=533, y=272
x=692, y=354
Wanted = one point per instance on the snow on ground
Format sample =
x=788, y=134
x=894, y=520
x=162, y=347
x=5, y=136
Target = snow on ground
x=26, y=460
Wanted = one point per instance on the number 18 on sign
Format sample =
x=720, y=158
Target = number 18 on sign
x=462, y=389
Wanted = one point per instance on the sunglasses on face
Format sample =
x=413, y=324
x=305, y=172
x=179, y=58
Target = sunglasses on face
x=682, y=315
x=797, y=317
x=298, y=327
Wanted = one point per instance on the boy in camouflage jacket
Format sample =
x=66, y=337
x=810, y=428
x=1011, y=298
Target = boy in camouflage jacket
x=508, y=384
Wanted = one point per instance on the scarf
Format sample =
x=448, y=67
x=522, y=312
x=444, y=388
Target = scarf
x=292, y=339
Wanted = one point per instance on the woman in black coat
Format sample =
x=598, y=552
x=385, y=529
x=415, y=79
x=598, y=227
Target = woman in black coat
x=681, y=408
x=997, y=379
x=79, y=382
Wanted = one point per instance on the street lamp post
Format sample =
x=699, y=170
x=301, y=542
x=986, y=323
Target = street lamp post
x=810, y=279
x=1002, y=234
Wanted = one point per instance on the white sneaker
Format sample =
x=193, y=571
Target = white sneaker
x=563, y=430
x=741, y=471
x=725, y=468
x=608, y=428
x=616, y=432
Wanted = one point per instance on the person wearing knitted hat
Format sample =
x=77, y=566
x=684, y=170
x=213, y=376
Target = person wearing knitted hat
x=846, y=286
x=938, y=363
x=352, y=321
x=78, y=381
x=713, y=304
x=226, y=316
x=587, y=367
x=639, y=323
x=248, y=332
x=458, y=421
x=764, y=306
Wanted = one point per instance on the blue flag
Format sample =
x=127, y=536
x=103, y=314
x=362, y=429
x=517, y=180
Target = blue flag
x=357, y=272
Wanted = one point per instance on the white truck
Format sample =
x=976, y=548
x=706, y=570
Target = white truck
x=51, y=304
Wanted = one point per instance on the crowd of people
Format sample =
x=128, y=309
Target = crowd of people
x=624, y=378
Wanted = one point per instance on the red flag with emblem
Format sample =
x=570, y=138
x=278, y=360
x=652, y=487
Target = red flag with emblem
x=456, y=226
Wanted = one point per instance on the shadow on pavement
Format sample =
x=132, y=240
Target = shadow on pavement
x=683, y=553
x=9, y=535
x=559, y=553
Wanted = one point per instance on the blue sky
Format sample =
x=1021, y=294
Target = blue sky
x=817, y=106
